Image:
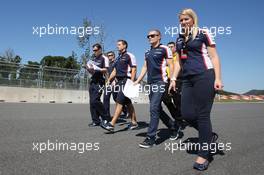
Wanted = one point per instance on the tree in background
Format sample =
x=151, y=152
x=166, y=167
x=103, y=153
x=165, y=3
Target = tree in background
x=72, y=62
x=9, y=56
x=33, y=63
x=84, y=41
x=53, y=61
x=9, y=64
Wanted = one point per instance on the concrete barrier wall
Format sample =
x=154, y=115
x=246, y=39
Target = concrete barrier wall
x=39, y=95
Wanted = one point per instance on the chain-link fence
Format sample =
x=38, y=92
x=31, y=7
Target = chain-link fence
x=38, y=76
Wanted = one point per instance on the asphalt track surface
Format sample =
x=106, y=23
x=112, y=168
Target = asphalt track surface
x=22, y=125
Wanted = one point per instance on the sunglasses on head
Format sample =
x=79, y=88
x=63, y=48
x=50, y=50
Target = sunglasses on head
x=152, y=36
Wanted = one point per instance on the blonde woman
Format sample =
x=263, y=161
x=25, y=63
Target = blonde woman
x=201, y=72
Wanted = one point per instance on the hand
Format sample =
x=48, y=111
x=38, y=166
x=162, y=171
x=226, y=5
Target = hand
x=135, y=83
x=88, y=66
x=90, y=69
x=172, y=86
x=218, y=84
x=113, y=83
x=107, y=83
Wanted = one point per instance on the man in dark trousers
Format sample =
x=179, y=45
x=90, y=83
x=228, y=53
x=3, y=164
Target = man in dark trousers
x=155, y=63
x=110, y=89
x=97, y=69
x=172, y=101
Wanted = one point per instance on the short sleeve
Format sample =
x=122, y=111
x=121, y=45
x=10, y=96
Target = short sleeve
x=132, y=62
x=208, y=39
x=168, y=53
x=106, y=61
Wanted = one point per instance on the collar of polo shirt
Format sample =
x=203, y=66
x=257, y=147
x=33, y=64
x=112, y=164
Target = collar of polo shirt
x=183, y=36
x=122, y=53
x=99, y=55
x=155, y=47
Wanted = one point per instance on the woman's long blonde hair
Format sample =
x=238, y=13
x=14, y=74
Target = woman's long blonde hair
x=191, y=13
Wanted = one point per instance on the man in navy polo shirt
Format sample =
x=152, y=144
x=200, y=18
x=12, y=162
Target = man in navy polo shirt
x=125, y=68
x=155, y=63
x=97, y=71
x=110, y=89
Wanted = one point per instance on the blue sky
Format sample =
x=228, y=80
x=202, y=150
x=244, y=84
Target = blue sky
x=240, y=52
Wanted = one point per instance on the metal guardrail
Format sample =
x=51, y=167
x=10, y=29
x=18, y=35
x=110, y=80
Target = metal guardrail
x=38, y=76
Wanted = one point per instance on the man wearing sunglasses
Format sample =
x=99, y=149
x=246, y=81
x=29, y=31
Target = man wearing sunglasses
x=155, y=63
x=98, y=71
x=109, y=89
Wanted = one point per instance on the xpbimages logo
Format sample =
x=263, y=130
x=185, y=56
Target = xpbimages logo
x=146, y=89
x=79, y=147
x=48, y=29
x=174, y=31
x=189, y=146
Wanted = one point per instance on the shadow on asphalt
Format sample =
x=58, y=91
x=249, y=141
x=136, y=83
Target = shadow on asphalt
x=162, y=135
x=141, y=125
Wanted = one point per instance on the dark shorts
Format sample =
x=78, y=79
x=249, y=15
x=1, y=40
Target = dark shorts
x=120, y=97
